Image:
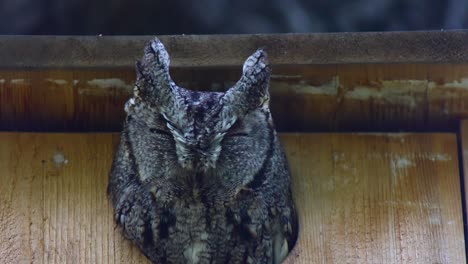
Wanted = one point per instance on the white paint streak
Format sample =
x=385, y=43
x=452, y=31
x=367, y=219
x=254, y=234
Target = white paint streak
x=439, y=157
x=110, y=83
x=401, y=92
x=403, y=162
x=329, y=88
x=57, y=81
x=449, y=90
x=17, y=81
x=459, y=84
x=394, y=92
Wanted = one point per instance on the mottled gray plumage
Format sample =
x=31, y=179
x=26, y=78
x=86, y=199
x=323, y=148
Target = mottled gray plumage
x=200, y=177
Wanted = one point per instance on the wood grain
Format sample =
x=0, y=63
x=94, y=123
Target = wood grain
x=362, y=198
x=53, y=206
x=383, y=198
x=464, y=156
x=229, y=50
x=307, y=98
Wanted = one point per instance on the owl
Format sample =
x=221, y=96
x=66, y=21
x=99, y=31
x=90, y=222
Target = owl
x=201, y=177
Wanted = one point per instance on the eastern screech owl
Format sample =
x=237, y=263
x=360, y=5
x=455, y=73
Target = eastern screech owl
x=200, y=177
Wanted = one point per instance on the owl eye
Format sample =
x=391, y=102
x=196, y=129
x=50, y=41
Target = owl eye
x=159, y=131
x=238, y=134
x=236, y=130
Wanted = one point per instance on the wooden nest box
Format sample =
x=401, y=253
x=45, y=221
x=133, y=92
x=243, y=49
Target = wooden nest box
x=389, y=188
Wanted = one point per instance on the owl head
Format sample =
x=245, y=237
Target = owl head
x=203, y=130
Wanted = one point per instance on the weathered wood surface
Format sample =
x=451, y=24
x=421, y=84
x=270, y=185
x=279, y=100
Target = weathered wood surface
x=463, y=141
x=229, y=50
x=357, y=97
x=382, y=198
x=53, y=207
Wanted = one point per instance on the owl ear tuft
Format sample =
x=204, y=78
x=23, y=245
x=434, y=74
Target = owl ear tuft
x=153, y=80
x=251, y=91
x=256, y=64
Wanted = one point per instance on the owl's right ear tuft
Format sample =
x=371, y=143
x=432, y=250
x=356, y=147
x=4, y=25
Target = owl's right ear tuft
x=156, y=54
x=251, y=91
x=154, y=66
x=153, y=81
x=257, y=65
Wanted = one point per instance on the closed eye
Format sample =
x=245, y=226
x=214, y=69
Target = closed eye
x=159, y=131
x=238, y=134
x=236, y=130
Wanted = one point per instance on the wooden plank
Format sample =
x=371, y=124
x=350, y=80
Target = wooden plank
x=357, y=97
x=464, y=156
x=53, y=207
x=230, y=50
x=447, y=102
x=383, y=198
x=362, y=198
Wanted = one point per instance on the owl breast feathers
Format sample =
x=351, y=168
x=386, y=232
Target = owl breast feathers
x=200, y=177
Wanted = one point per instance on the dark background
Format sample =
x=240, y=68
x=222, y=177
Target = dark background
x=126, y=17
